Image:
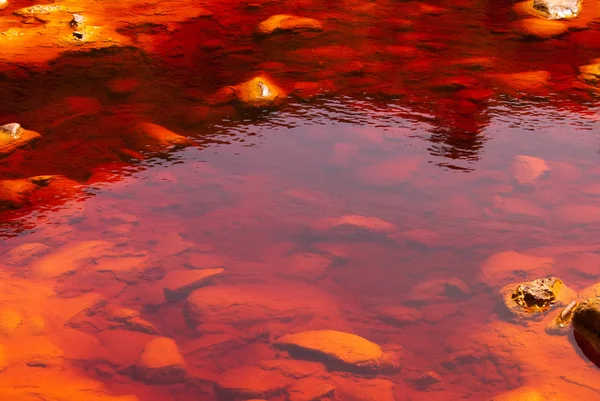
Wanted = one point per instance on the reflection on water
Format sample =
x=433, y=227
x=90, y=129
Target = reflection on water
x=424, y=157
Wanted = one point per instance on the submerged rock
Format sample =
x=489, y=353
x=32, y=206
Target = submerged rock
x=520, y=394
x=558, y=9
x=288, y=23
x=156, y=138
x=178, y=284
x=344, y=349
x=161, y=362
x=561, y=324
x=250, y=382
x=310, y=389
x=527, y=169
x=14, y=193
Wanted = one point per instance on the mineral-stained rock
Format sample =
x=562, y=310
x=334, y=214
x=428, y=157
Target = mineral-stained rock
x=397, y=315
x=520, y=394
x=310, y=389
x=178, y=284
x=155, y=138
x=288, y=23
x=3, y=4
x=14, y=193
x=558, y=9
x=590, y=74
x=161, y=362
x=541, y=29
x=258, y=92
x=355, y=223
x=524, y=81
x=586, y=321
x=345, y=350
x=250, y=381
x=529, y=300
x=292, y=368
x=561, y=324
x=10, y=321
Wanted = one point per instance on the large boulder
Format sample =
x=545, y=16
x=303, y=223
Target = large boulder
x=13, y=137
x=288, y=23
x=339, y=349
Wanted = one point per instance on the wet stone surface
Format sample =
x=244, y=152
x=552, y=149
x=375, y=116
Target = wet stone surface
x=538, y=295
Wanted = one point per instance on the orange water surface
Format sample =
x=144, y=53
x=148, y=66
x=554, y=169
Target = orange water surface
x=421, y=158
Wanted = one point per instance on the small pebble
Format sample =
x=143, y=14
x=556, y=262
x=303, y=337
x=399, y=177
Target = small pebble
x=76, y=21
x=12, y=129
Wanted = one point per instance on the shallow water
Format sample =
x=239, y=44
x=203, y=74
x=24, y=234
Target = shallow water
x=425, y=135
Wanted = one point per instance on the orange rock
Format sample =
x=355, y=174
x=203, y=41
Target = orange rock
x=310, y=389
x=525, y=81
x=14, y=193
x=250, y=381
x=10, y=321
x=288, y=23
x=527, y=169
x=510, y=266
x=260, y=91
x=590, y=74
x=178, y=284
x=155, y=138
x=129, y=268
x=540, y=28
x=520, y=394
x=11, y=140
x=3, y=4
x=161, y=362
x=346, y=349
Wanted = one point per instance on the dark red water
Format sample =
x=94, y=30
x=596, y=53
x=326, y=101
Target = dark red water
x=416, y=123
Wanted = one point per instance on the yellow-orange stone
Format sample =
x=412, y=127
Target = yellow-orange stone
x=525, y=81
x=541, y=28
x=252, y=92
x=520, y=394
x=373, y=224
x=344, y=347
x=285, y=22
x=590, y=74
x=9, y=144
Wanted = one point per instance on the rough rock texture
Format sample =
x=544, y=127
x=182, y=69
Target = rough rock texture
x=590, y=74
x=529, y=300
x=561, y=324
x=558, y=9
x=365, y=390
x=586, y=320
x=355, y=223
x=70, y=258
x=288, y=23
x=161, y=362
x=344, y=349
x=11, y=140
x=14, y=193
x=178, y=284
